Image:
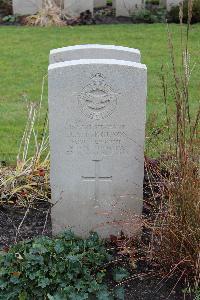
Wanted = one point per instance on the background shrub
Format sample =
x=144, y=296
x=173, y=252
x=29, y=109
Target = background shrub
x=6, y=7
x=153, y=2
x=149, y=16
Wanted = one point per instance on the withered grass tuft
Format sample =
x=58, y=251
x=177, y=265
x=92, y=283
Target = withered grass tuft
x=49, y=15
x=175, y=240
x=29, y=180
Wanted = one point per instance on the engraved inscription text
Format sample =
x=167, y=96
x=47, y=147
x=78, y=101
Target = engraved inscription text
x=96, y=139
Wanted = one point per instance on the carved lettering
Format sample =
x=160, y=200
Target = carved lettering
x=96, y=139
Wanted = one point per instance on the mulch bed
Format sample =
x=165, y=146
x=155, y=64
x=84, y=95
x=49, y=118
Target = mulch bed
x=18, y=223
x=152, y=289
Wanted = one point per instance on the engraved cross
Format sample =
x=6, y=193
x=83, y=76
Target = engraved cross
x=96, y=179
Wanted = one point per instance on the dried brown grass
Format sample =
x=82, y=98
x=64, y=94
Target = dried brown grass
x=49, y=15
x=175, y=226
x=29, y=180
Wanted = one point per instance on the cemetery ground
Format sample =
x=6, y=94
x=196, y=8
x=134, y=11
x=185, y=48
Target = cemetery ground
x=23, y=65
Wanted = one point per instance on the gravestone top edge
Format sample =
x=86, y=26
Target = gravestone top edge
x=96, y=61
x=94, y=46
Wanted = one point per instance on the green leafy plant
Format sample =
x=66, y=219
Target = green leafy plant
x=149, y=16
x=192, y=292
x=66, y=267
x=153, y=2
x=10, y=19
x=119, y=274
x=197, y=294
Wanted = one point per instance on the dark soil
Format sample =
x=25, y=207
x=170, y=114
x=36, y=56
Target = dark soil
x=35, y=221
x=112, y=20
x=152, y=289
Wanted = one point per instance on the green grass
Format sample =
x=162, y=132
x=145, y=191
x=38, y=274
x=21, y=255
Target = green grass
x=24, y=61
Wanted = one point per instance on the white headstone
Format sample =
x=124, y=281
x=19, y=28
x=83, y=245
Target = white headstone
x=97, y=129
x=127, y=7
x=26, y=7
x=100, y=3
x=73, y=8
x=94, y=52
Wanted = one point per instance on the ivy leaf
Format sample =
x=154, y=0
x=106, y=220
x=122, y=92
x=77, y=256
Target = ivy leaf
x=9, y=295
x=120, y=274
x=73, y=258
x=44, y=282
x=94, y=237
x=100, y=276
x=3, y=284
x=80, y=285
x=75, y=296
x=93, y=286
x=32, y=275
x=104, y=295
x=59, y=248
x=68, y=235
x=55, y=297
x=120, y=293
x=50, y=297
x=38, y=248
x=23, y=296
x=14, y=279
